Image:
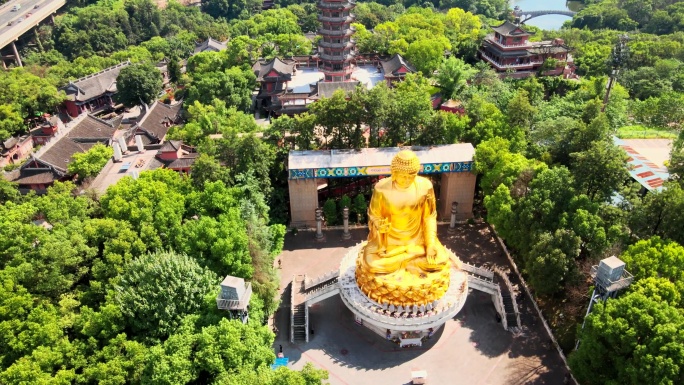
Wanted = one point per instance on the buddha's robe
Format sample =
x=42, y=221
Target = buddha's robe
x=403, y=225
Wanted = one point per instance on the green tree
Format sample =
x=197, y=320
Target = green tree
x=89, y=163
x=656, y=257
x=658, y=214
x=345, y=201
x=154, y=204
x=453, y=76
x=550, y=261
x=360, y=207
x=427, y=54
x=233, y=86
x=138, y=83
x=640, y=340
x=11, y=121
x=207, y=169
x=157, y=290
x=330, y=212
x=600, y=170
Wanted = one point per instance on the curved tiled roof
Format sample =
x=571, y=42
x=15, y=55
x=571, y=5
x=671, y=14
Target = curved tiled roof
x=510, y=29
x=263, y=68
x=94, y=85
x=393, y=64
x=159, y=113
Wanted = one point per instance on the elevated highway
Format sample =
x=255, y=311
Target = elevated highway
x=13, y=24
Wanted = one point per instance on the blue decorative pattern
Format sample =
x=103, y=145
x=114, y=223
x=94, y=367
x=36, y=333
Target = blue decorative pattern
x=346, y=172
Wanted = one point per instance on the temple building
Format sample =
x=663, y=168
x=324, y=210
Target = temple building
x=396, y=68
x=336, y=49
x=92, y=93
x=509, y=51
x=50, y=163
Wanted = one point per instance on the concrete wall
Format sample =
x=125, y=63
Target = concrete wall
x=303, y=202
x=456, y=187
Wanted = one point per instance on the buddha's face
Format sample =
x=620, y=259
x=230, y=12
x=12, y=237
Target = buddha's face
x=403, y=179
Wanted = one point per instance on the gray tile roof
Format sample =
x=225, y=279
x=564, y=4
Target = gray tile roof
x=284, y=68
x=211, y=45
x=28, y=176
x=94, y=129
x=327, y=89
x=171, y=145
x=393, y=64
x=153, y=121
x=185, y=161
x=59, y=155
x=94, y=85
x=510, y=29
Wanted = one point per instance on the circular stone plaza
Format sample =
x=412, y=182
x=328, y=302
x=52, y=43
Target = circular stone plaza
x=471, y=324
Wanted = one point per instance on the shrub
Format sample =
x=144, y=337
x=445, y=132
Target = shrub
x=330, y=212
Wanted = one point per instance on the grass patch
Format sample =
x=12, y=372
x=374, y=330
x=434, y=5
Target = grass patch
x=643, y=132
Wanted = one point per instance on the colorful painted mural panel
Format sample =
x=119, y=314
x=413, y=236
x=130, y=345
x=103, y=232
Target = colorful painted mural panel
x=351, y=172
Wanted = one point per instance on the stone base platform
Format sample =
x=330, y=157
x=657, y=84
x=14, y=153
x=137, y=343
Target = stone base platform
x=414, y=321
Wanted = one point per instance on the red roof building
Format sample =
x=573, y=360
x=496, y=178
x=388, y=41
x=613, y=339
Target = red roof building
x=396, y=68
x=509, y=51
x=94, y=92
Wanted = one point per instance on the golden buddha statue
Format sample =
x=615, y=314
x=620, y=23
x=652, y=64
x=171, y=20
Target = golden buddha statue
x=403, y=262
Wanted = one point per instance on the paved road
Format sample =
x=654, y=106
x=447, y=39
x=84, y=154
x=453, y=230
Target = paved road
x=10, y=33
x=6, y=13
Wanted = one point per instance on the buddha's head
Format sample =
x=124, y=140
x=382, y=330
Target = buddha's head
x=405, y=167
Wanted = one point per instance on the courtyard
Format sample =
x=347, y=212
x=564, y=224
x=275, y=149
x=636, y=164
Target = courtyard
x=472, y=348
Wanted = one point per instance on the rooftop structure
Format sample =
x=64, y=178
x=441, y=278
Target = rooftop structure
x=210, y=45
x=396, y=68
x=509, y=49
x=15, y=149
x=650, y=175
x=336, y=49
x=156, y=122
x=376, y=161
x=92, y=92
x=51, y=162
x=234, y=296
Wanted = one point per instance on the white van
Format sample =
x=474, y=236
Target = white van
x=16, y=7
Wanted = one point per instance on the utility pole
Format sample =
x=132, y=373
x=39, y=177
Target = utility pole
x=618, y=59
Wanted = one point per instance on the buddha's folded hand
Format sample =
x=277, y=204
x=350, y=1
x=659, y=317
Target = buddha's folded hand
x=431, y=254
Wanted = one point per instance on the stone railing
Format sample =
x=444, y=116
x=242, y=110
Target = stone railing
x=509, y=285
x=309, y=283
x=477, y=270
x=424, y=316
x=504, y=66
x=321, y=292
x=500, y=307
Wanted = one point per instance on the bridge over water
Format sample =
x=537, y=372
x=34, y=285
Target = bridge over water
x=523, y=16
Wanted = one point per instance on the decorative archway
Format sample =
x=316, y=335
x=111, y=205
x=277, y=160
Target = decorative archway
x=453, y=161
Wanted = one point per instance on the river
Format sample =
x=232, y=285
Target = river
x=548, y=21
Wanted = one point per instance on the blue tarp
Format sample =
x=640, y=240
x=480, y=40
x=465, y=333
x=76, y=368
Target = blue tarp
x=280, y=362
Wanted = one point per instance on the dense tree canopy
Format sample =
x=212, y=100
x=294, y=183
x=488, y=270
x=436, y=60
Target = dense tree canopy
x=138, y=83
x=155, y=292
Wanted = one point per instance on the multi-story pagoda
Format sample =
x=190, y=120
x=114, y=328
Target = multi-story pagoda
x=509, y=51
x=336, y=47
